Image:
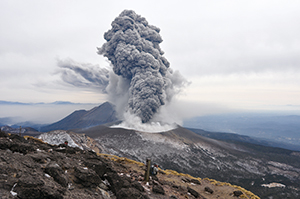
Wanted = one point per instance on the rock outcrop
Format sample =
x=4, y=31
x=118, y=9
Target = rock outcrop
x=30, y=168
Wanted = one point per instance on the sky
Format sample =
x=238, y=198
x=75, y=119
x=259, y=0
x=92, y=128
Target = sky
x=237, y=55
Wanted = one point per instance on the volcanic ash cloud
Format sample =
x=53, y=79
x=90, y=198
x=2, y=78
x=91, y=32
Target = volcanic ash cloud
x=142, y=81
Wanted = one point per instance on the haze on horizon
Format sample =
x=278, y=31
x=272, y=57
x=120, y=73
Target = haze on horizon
x=237, y=55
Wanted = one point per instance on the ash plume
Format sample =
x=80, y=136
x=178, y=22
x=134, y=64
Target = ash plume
x=143, y=81
x=83, y=75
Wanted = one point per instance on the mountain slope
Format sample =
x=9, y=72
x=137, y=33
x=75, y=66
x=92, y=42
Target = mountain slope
x=278, y=128
x=32, y=169
x=102, y=114
x=244, y=138
x=247, y=165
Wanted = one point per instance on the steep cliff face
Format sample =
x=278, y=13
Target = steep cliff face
x=30, y=168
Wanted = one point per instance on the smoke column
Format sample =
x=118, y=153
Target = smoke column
x=142, y=75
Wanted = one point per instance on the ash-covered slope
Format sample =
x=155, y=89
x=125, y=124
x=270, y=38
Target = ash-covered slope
x=102, y=114
x=247, y=165
x=32, y=169
x=81, y=141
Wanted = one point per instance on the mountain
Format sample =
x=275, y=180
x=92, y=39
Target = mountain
x=24, y=130
x=245, y=164
x=232, y=137
x=38, y=103
x=272, y=127
x=28, y=124
x=102, y=114
x=30, y=168
x=7, y=120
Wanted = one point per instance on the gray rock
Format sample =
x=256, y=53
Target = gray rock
x=193, y=192
x=158, y=189
x=237, y=193
x=209, y=190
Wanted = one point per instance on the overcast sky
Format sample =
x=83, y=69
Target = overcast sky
x=236, y=54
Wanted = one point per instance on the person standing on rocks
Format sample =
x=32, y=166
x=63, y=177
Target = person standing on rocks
x=154, y=170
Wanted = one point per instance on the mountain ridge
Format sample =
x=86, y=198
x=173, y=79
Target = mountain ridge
x=64, y=172
x=244, y=138
x=244, y=164
x=102, y=114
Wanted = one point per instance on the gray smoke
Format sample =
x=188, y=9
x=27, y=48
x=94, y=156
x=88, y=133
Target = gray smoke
x=133, y=49
x=84, y=75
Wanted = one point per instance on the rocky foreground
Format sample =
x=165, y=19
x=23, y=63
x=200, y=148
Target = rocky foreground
x=30, y=168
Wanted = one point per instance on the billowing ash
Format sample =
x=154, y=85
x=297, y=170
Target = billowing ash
x=83, y=75
x=141, y=84
x=133, y=49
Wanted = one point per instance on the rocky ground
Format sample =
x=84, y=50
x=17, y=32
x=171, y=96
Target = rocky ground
x=30, y=168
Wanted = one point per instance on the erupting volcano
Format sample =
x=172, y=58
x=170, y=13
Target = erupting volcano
x=142, y=81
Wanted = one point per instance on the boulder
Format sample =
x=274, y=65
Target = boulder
x=195, y=181
x=86, y=177
x=130, y=193
x=237, y=193
x=34, y=187
x=117, y=182
x=209, y=190
x=193, y=192
x=158, y=189
x=54, y=170
x=138, y=186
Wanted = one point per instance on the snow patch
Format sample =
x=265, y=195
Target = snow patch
x=12, y=191
x=58, y=137
x=47, y=175
x=273, y=184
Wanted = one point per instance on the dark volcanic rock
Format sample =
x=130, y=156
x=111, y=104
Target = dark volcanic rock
x=86, y=177
x=33, y=169
x=209, y=190
x=54, y=170
x=158, y=189
x=2, y=134
x=30, y=168
x=28, y=181
x=130, y=193
x=193, y=192
x=116, y=181
x=195, y=181
x=237, y=193
x=138, y=186
x=98, y=165
x=34, y=187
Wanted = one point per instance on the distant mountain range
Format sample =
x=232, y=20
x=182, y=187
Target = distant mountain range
x=38, y=103
x=233, y=137
x=282, y=129
x=105, y=113
x=17, y=130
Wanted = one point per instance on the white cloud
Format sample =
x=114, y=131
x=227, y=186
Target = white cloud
x=246, y=91
x=236, y=53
